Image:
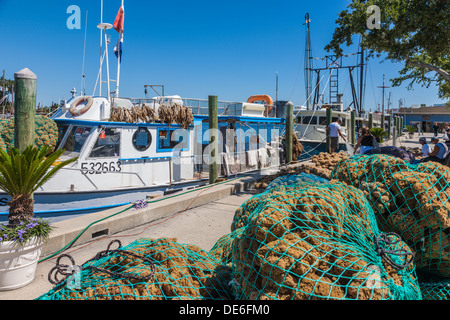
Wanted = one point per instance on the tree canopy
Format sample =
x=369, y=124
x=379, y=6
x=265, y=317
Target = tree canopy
x=413, y=32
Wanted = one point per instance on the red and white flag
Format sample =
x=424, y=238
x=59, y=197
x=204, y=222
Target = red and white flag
x=120, y=19
x=118, y=26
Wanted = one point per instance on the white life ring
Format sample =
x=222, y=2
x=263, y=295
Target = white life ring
x=77, y=102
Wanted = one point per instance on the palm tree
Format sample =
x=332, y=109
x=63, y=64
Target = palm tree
x=22, y=173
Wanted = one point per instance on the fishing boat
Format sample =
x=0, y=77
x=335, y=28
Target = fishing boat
x=311, y=119
x=126, y=157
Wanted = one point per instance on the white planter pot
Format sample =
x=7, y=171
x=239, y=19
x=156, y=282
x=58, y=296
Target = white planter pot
x=18, y=263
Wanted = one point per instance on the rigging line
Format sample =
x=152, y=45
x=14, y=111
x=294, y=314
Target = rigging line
x=295, y=116
x=296, y=80
x=309, y=123
x=373, y=88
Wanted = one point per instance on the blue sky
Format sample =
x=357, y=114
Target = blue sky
x=232, y=49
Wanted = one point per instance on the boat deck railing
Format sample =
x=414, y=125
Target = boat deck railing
x=198, y=106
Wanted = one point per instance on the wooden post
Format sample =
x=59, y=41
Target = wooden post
x=328, y=122
x=289, y=131
x=401, y=126
x=383, y=118
x=213, y=138
x=397, y=125
x=25, y=109
x=394, y=137
x=389, y=126
x=370, y=120
x=352, y=128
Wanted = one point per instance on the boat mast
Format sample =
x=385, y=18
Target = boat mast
x=101, y=49
x=103, y=27
x=308, y=58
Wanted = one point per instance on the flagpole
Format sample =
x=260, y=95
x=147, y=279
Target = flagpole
x=119, y=59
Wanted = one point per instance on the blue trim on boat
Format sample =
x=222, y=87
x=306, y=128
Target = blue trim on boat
x=244, y=118
x=76, y=210
x=115, y=124
x=148, y=158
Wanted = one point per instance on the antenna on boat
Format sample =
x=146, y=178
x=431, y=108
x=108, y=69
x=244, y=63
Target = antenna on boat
x=308, y=57
x=101, y=49
x=103, y=27
x=83, y=76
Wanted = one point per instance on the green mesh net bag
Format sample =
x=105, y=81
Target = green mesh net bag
x=295, y=179
x=253, y=205
x=434, y=287
x=312, y=242
x=46, y=132
x=223, y=248
x=410, y=200
x=146, y=269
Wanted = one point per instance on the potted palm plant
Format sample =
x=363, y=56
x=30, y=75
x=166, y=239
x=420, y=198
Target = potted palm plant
x=22, y=239
x=411, y=130
x=378, y=133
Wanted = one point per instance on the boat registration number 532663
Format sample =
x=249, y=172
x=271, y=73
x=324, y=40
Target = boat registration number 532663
x=101, y=167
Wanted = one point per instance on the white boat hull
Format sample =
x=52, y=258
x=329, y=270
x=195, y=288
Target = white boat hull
x=63, y=205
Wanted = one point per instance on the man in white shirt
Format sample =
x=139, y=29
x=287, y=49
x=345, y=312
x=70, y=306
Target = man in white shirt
x=335, y=131
x=425, y=147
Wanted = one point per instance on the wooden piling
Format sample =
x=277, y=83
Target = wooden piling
x=352, y=130
x=389, y=126
x=25, y=83
x=328, y=122
x=289, y=131
x=213, y=138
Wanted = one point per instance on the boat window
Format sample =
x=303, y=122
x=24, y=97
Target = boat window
x=142, y=139
x=309, y=120
x=62, y=130
x=169, y=139
x=76, y=140
x=323, y=121
x=107, y=145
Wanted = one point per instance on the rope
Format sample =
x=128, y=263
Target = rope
x=129, y=208
x=69, y=270
x=389, y=239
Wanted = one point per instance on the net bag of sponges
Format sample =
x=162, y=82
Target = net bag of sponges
x=223, y=248
x=410, y=200
x=296, y=179
x=253, y=205
x=320, y=242
x=144, y=270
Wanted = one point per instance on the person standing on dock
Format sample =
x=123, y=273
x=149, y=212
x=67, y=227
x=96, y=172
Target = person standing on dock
x=335, y=131
x=435, y=129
